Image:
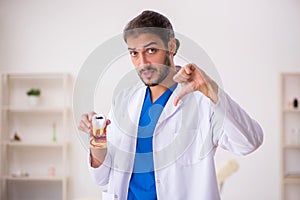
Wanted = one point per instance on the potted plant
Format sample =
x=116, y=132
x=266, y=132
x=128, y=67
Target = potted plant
x=33, y=96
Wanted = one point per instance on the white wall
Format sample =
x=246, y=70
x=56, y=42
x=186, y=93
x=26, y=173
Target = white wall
x=250, y=43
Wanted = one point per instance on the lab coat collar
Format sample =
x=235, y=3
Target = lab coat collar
x=135, y=103
x=170, y=109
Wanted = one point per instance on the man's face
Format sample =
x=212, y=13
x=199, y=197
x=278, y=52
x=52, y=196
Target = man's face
x=150, y=57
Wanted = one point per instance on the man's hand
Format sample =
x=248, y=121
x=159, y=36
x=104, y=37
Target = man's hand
x=86, y=125
x=193, y=79
x=97, y=146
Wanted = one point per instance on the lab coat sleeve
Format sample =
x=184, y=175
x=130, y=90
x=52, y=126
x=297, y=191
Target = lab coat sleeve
x=100, y=174
x=233, y=129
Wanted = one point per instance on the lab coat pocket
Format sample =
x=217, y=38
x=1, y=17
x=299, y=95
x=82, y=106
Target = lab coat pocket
x=108, y=196
x=188, y=147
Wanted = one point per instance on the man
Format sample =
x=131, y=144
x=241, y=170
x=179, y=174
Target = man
x=162, y=136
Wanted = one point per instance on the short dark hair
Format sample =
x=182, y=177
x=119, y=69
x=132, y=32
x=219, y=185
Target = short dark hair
x=151, y=22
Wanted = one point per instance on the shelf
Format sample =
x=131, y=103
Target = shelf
x=34, y=178
x=291, y=110
x=34, y=109
x=290, y=136
x=296, y=74
x=292, y=146
x=292, y=179
x=36, y=153
x=28, y=144
x=38, y=76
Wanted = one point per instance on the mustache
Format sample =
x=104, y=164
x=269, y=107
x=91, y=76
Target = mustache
x=148, y=68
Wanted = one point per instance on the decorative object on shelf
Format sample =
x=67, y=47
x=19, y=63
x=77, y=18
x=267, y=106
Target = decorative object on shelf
x=33, y=96
x=20, y=174
x=54, y=139
x=16, y=137
x=51, y=171
x=290, y=105
x=295, y=103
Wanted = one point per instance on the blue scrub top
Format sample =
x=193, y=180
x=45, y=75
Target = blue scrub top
x=142, y=183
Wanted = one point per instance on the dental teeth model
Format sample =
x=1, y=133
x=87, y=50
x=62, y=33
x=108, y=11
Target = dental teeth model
x=99, y=123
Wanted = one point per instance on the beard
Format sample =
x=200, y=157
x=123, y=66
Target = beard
x=155, y=74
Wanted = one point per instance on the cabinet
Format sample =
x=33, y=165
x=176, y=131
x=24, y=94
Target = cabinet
x=290, y=136
x=34, y=136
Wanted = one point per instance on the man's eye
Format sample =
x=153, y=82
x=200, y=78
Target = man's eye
x=151, y=50
x=132, y=53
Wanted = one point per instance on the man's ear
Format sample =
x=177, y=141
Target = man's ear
x=172, y=46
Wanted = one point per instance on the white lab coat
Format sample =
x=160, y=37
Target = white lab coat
x=184, y=144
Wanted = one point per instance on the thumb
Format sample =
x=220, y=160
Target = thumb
x=90, y=115
x=182, y=93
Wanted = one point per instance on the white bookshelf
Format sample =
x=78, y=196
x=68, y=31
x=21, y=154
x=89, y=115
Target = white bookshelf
x=290, y=136
x=37, y=166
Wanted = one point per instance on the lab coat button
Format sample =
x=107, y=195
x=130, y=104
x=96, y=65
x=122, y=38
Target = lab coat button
x=158, y=181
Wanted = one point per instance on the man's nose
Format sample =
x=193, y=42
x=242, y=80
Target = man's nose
x=143, y=61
